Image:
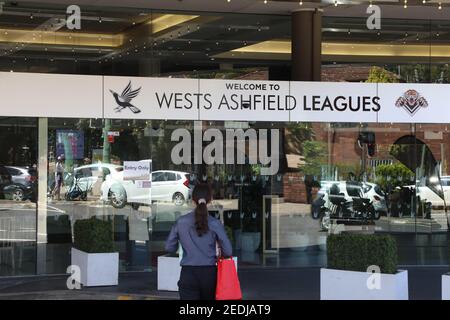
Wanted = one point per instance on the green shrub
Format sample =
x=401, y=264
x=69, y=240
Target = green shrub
x=390, y=176
x=356, y=252
x=93, y=235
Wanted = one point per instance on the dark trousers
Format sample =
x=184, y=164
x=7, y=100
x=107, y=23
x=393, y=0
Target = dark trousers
x=198, y=282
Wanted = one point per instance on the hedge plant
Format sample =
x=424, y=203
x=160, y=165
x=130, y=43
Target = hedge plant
x=356, y=252
x=93, y=235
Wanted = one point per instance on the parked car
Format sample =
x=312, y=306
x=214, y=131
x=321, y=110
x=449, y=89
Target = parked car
x=86, y=176
x=5, y=180
x=373, y=192
x=23, y=184
x=21, y=175
x=425, y=193
x=166, y=186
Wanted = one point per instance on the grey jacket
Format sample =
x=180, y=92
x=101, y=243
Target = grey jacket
x=198, y=251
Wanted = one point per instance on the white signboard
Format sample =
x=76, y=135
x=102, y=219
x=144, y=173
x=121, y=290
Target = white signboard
x=414, y=103
x=245, y=100
x=62, y=96
x=137, y=170
x=335, y=102
x=152, y=98
x=50, y=95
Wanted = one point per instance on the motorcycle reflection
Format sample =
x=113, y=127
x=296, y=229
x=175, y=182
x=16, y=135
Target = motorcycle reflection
x=344, y=201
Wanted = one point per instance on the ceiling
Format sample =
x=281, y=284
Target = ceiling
x=119, y=38
x=349, y=8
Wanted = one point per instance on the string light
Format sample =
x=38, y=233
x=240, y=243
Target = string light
x=370, y=4
x=265, y=1
x=335, y=3
x=301, y=2
x=405, y=4
x=440, y=6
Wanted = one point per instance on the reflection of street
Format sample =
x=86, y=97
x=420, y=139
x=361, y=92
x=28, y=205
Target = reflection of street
x=437, y=223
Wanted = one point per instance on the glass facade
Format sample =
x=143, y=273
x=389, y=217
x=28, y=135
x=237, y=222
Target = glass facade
x=331, y=177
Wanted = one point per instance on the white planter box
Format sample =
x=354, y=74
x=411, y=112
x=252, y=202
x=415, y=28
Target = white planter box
x=446, y=286
x=352, y=285
x=97, y=269
x=169, y=270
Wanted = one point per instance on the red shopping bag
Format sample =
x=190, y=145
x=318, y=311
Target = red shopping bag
x=228, y=286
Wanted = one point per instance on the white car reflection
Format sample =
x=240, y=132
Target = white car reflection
x=426, y=194
x=166, y=186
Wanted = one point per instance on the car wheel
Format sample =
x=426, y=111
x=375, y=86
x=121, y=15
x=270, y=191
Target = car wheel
x=118, y=198
x=178, y=199
x=18, y=195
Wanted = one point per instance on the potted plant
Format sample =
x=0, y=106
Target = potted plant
x=93, y=252
x=352, y=259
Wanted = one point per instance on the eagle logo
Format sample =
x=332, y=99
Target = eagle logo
x=411, y=101
x=124, y=100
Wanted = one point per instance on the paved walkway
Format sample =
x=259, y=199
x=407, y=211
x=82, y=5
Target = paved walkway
x=257, y=284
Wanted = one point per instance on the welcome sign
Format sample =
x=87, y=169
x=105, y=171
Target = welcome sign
x=225, y=100
x=221, y=100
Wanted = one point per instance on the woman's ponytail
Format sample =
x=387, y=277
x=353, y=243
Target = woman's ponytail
x=201, y=196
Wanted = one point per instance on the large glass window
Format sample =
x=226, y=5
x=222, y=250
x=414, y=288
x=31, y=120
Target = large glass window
x=18, y=194
x=328, y=178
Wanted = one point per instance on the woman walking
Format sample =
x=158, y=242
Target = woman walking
x=198, y=234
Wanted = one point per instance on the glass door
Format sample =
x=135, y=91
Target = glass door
x=18, y=194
